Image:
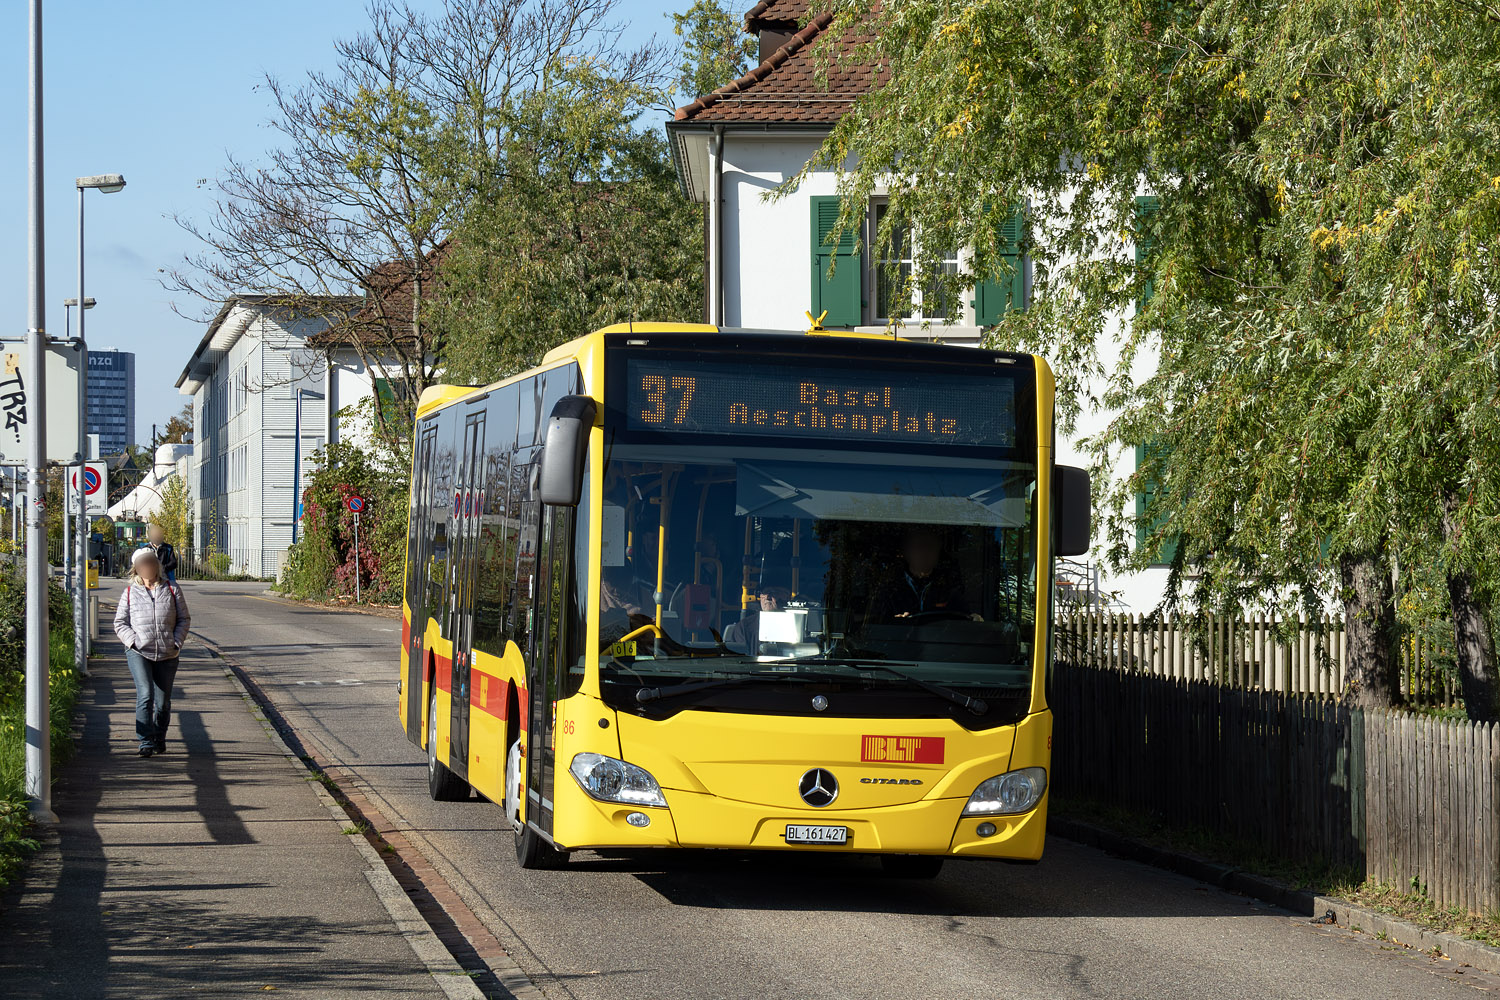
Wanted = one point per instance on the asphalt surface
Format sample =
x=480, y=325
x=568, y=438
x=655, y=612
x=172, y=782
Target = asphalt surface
x=678, y=925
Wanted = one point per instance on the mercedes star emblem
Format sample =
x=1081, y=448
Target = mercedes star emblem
x=819, y=787
x=819, y=703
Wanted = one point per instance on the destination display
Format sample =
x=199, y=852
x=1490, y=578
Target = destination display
x=725, y=398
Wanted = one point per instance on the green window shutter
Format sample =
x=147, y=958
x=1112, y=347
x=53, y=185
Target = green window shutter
x=993, y=298
x=839, y=294
x=1143, y=530
x=385, y=398
x=1146, y=207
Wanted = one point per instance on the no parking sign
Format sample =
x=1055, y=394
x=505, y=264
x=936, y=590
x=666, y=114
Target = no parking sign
x=355, y=504
x=95, y=488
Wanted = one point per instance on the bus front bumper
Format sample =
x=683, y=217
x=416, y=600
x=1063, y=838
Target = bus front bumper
x=697, y=820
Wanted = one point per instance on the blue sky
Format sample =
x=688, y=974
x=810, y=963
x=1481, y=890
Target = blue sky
x=160, y=91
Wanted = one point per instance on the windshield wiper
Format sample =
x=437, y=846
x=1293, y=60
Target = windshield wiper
x=646, y=695
x=976, y=705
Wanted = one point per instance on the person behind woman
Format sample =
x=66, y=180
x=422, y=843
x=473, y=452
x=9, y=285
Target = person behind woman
x=156, y=540
x=152, y=621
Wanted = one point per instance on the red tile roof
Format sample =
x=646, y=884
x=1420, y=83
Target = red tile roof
x=786, y=88
x=774, y=12
x=384, y=320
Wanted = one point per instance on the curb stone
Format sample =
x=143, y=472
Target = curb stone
x=1348, y=915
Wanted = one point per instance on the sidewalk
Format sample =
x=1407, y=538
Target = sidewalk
x=214, y=869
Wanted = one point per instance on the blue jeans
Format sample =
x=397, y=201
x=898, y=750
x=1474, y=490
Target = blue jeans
x=153, y=696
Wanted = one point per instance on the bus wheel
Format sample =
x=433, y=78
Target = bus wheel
x=442, y=784
x=911, y=865
x=532, y=850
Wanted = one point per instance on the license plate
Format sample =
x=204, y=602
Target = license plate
x=817, y=834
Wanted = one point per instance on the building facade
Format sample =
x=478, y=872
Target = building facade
x=768, y=264
x=244, y=379
x=111, y=399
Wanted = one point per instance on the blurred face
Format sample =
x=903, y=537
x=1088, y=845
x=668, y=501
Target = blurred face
x=155, y=534
x=148, y=569
x=774, y=598
x=921, y=552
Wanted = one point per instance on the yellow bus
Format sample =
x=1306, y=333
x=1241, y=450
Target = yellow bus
x=682, y=586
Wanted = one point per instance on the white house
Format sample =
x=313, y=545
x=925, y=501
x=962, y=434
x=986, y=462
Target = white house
x=244, y=378
x=766, y=260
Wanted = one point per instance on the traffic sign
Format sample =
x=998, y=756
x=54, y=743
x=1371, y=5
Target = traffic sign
x=355, y=504
x=95, y=488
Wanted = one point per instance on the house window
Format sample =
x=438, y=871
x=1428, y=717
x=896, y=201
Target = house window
x=240, y=387
x=892, y=272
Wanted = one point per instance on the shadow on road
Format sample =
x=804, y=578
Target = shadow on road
x=1070, y=882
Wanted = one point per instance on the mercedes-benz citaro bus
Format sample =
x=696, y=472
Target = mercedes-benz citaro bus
x=689, y=587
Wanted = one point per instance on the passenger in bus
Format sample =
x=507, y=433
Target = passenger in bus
x=744, y=635
x=927, y=583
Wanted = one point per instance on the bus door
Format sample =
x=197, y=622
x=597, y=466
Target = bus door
x=541, y=690
x=468, y=503
x=419, y=547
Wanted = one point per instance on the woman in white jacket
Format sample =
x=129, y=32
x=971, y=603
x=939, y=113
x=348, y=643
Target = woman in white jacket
x=152, y=621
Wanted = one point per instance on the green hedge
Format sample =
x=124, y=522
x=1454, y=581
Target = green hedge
x=15, y=823
x=323, y=562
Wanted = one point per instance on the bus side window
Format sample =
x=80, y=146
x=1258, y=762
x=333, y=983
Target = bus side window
x=497, y=554
x=440, y=506
x=524, y=510
x=419, y=530
x=526, y=552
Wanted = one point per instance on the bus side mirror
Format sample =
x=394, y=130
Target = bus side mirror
x=1074, y=532
x=560, y=483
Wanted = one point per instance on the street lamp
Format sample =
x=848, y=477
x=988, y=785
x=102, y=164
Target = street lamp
x=297, y=461
x=68, y=305
x=105, y=184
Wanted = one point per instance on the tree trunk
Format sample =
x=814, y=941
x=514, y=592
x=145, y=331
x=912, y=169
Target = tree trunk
x=1473, y=643
x=1370, y=632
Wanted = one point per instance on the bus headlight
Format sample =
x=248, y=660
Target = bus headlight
x=1011, y=792
x=610, y=780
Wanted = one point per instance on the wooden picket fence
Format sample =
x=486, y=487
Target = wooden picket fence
x=1303, y=657
x=1432, y=808
x=1405, y=799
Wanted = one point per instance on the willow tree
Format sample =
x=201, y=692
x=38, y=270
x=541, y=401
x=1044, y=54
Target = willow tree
x=1292, y=206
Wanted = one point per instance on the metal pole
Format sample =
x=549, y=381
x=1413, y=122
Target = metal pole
x=356, y=557
x=81, y=561
x=67, y=535
x=297, y=468
x=38, y=695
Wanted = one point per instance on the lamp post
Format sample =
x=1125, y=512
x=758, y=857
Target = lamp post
x=67, y=524
x=297, y=462
x=38, y=691
x=104, y=184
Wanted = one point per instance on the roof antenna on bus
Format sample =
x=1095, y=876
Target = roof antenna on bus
x=817, y=323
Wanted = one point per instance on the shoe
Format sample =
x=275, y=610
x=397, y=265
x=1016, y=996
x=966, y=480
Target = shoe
x=161, y=746
x=146, y=751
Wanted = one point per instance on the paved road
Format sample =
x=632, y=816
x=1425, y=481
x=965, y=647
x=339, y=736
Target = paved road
x=1080, y=924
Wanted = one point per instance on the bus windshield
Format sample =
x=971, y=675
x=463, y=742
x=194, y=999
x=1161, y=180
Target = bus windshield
x=730, y=573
